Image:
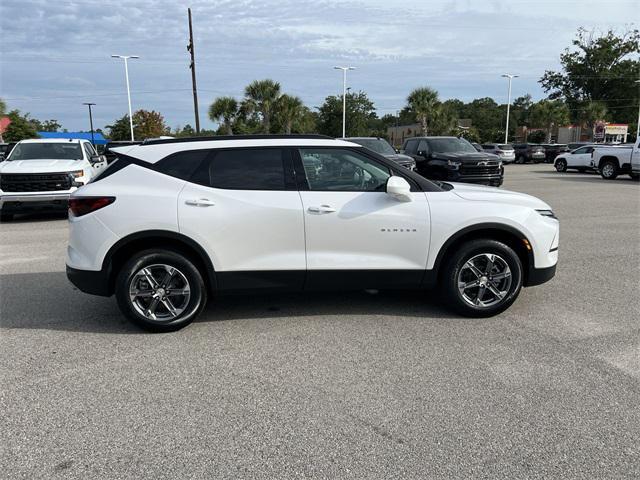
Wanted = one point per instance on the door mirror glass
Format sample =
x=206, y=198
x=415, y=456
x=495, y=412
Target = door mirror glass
x=399, y=189
x=97, y=158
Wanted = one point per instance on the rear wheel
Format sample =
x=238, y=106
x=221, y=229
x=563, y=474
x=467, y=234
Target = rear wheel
x=482, y=278
x=561, y=165
x=160, y=291
x=609, y=170
x=520, y=159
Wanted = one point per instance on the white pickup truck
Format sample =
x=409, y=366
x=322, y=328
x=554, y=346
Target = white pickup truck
x=617, y=160
x=41, y=174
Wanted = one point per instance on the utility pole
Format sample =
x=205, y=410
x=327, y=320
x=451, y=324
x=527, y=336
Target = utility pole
x=506, y=130
x=344, y=96
x=126, y=74
x=192, y=66
x=91, y=122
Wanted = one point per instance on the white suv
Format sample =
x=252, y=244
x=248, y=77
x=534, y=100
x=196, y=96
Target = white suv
x=41, y=174
x=172, y=222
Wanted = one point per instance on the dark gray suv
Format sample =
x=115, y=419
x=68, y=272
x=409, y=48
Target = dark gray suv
x=382, y=147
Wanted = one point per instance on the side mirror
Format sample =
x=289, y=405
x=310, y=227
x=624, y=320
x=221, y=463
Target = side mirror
x=98, y=158
x=399, y=189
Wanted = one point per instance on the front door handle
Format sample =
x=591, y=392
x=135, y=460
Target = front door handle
x=200, y=202
x=321, y=209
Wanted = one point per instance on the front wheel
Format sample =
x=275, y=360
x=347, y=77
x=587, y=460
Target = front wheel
x=482, y=278
x=561, y=165
x=160, y=291
x=609, y=170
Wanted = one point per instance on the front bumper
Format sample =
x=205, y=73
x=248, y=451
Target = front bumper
x=490, y=180
x=89, y=281
x=538, y=276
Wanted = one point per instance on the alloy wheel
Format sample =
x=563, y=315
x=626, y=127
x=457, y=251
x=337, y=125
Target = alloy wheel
x=159, y=292
x=608, y=170
x=484, y=280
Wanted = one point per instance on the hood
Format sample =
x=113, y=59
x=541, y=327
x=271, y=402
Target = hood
x=466, y=157
x=41, y=166
x=400, y=158
x=497, y=195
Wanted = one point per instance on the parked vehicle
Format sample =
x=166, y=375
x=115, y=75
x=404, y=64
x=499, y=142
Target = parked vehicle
x=381, y=146
x=526, y=152
x=313, y=214
x=454, y=159
x=110, y=154
x=576, y=145
x=578, y=159
x=41, y=174
x=477, y=146
x=612, y=161
x=505, y=151
x=4, y=151
x=552, y=150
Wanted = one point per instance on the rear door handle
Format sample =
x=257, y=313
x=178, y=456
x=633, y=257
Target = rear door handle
x=321, y=209
x=200, y=202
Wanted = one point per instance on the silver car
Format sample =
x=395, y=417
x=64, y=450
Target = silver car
x=505, y=151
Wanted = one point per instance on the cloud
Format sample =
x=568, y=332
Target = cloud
x=55, y=55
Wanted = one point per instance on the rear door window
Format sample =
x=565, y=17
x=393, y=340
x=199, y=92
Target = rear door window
x=246, y=169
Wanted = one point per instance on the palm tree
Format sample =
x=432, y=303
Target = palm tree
x=549, y=114
x=289, y=109
x=225, y=109
x=592, y=112
x=423, y=102
x=261, y=96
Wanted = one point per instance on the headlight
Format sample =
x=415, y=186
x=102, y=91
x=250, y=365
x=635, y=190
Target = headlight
x=77, y=173
x=547, y=213
x=454, y=164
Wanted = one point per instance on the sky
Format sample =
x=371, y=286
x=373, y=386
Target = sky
x=55, y=55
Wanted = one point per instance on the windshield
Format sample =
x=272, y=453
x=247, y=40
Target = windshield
x=450, y=145
x=378, y=145
x=39, y=151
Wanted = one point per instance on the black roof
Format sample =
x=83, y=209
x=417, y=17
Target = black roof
x=234, y=137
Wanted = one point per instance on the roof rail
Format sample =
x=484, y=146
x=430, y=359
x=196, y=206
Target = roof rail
x=233, y=137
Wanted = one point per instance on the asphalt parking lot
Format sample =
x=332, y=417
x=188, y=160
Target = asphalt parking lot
x=334, y=385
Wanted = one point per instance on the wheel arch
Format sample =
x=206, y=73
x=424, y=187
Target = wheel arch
x=506, y=234
x=127, y=246
x=607, y=158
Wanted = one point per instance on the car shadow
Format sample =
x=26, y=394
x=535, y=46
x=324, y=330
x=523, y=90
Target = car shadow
x=57, y=305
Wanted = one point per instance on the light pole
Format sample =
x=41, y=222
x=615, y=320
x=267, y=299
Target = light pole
x=506, y=130
x=344, y=96
x=638, y=127
x=91, y=121
x=126, y=74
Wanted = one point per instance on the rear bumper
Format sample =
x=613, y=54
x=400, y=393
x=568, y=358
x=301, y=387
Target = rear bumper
x=89, y=281
x=538, y=276
x=32, y=203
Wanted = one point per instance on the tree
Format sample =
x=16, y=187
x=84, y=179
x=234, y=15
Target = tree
x=46, y=126
x=261, y=96
x=20, y=128
x=288, y=111
x=224, y=110
x=186, y=131
x=601, y=69
x=423, y=102
x=3, y=107
x=149, y=124
x=591, y=112
x=120, y=130
x=549, y=113
x=359, y=112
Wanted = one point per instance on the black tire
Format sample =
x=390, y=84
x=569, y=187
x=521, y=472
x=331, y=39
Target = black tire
x=188, y=277
x=457, y=263
x=6, y=217
x=521, y=159
x=609, y=170
x=561, y=165
x=635, y=176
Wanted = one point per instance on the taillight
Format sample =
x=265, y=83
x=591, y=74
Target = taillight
x=79, y=206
